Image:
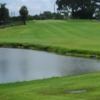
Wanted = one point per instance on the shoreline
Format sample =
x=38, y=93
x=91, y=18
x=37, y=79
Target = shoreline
x=57, y=50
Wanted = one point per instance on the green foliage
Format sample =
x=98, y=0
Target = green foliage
x=29, y=17
x=36, y=17
x=48, y=15
x=23, y=13
x=97, y=15
x=11, y=24
x=4, y=14
x=83, y=9
x=58, y=16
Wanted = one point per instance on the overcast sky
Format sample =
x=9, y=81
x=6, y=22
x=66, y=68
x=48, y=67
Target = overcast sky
x=34, y=6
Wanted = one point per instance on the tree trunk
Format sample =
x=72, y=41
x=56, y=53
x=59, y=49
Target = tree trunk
x=24, y=22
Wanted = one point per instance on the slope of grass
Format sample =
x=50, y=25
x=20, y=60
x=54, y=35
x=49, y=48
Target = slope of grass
x=54, y=89
x=71, y=34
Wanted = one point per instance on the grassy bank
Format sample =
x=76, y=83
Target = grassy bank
x=77, y=37
x=54, y=89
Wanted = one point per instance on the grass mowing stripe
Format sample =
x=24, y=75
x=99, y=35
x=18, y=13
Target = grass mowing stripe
x=71, y=34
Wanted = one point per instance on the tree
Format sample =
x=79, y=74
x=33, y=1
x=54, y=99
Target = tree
x=4, y=13
x=79, y=8
x=23, y=13
x=48, y=15
x=37, y=17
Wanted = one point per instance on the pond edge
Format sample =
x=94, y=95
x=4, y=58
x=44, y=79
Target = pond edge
x=57, y=50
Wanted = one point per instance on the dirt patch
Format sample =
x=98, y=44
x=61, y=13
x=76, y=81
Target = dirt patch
x=77, y=91
x=61, y=92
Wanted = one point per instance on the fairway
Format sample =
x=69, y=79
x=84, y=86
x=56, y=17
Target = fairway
x=68, y=34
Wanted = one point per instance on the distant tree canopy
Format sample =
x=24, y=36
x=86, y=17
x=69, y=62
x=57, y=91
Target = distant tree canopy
x=83, y=9
x=23, y=13
x=4, y=13
x=48, y=15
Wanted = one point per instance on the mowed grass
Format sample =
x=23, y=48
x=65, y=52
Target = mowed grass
x=70, y=34
x=54, y=89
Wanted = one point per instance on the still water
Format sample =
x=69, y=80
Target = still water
x=23, y=65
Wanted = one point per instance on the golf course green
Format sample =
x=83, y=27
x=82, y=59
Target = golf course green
x=74, y=37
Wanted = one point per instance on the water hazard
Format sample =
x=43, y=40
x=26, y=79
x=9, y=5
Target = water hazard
x=23, y=65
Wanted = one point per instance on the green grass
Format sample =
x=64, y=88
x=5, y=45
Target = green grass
x=54, y=89
x=74, y=36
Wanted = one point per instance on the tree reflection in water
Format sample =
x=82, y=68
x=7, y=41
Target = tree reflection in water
x=24, y=68
x=3, y=69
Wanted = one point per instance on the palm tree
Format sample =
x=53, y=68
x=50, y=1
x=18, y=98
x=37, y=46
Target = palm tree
x=23, y=13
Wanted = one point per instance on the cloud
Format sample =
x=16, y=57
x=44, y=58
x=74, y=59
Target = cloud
x=34, y=6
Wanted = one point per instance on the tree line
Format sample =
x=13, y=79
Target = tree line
x=5, y=17
x=82, y=9
x=48, y=15
x=4, y=14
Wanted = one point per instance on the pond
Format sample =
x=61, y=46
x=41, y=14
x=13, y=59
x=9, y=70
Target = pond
x=18, y=65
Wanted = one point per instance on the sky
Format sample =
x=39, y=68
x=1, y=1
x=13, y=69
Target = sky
x=34, y=6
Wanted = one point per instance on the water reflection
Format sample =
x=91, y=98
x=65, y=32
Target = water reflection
x=3, y=69
x=23, y=65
